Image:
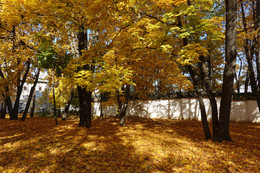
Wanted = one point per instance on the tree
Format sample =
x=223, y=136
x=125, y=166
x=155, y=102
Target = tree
x=3, y=110
x=131, y=49
x=165, y=30
x=17, y=49
x=247, y=43
x=43, y=102
x=66, y=110
x=31, y=95
x=222, y=132
x=33, y=106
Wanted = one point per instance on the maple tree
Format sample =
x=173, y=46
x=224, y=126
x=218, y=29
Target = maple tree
x=129, y=49
x=16, y=52
x=180, y=24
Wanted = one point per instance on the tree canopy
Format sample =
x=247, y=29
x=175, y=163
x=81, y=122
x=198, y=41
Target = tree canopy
x=129, y=49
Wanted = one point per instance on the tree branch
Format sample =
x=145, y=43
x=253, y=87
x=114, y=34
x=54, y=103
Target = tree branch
x=153, y=17
x=118, y=34
x=9, y=38
x=26, y=45
x=4, y=28
x=253, y=27
x=143, y=48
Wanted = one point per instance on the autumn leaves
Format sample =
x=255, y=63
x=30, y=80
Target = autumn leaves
x=145, y=145
x=124, y=50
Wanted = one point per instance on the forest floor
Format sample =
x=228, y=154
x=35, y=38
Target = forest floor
x=144, y=145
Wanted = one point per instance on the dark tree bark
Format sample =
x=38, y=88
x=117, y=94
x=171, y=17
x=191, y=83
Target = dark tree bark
x=101, y=106
x=59, y=112
x=30, y=95
x=66, y=110
x=85, y=97
x=3, y=110
x=119, y=102
x=9, y=106
x=33, y=107
x=249, y=53
x=20, y=84
x=247, y=81
x=84, y=107
x=211, y=96
x=201, y=103
x=54, y=106
x=7, y=98
x=257, y=47
x=123, y=106
x=210, y=71
x=222, y=133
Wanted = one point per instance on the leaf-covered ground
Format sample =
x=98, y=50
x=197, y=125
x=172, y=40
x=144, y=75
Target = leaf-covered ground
x=144, y=145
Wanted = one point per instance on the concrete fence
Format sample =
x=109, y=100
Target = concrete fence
x=183, y=109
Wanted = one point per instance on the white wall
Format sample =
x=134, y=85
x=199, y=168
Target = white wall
x=183, y=109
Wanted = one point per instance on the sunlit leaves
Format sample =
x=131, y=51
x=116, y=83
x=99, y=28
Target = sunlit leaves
x=190, y=54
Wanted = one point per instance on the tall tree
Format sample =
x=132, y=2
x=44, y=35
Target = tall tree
x=249, y=46
x=222, y=133
x=17, y=49
x=32, y=90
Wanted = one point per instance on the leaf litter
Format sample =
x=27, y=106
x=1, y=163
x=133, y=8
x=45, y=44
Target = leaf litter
x=144, y=145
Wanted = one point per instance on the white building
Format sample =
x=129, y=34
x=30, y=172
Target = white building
x=40, y=87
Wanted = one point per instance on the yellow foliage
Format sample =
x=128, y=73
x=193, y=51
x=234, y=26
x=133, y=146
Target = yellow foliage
x=189, y=55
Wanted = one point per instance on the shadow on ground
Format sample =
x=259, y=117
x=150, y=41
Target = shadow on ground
x=144, y=145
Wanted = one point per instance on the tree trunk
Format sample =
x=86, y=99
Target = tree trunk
x=211, y=96
x=249, y=53
x=119, y=102
x=123, y=106
x=237, y=76
x=8, y=102
x=30, y=95
x=101, y=106
x=66, y=110
x=84, y=107
x=222, y=133
x=54, y=106
x=43, y=113
x=20, y=84
x=196, y=85
x=84, y=95
x=33, y=107
x=59, y=112
x=7, y=98
x=201, y=103
x=247, y=81
x=3, y=110
x=256, y=45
